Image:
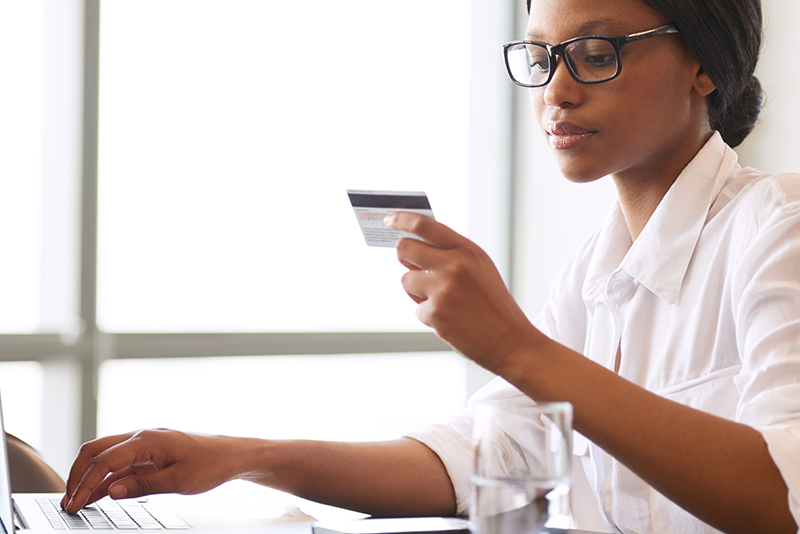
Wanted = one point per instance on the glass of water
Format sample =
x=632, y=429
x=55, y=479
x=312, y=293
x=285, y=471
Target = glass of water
x=523, y=468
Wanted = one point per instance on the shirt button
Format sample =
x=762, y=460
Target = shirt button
x=620, y=287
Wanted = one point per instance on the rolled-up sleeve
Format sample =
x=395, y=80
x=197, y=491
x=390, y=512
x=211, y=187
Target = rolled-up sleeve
x=783, y=442
x=453, y=440
x=456, y=453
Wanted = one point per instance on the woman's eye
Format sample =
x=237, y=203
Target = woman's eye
x=540, y=65
x=600, y=60
x=537, y=59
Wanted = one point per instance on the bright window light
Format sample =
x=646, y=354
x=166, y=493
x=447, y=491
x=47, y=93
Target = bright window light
x=21, y=136
x=345, y=398
x=229, y=132
x=21, y=386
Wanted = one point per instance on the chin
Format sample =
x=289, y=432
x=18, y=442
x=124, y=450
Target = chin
x=579, y=174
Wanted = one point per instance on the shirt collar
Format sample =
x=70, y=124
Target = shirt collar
x=659, y=257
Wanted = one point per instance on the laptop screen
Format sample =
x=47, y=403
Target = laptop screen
x=6, y=514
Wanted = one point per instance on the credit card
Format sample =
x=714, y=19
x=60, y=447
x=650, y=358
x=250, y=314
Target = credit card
x=371, y=207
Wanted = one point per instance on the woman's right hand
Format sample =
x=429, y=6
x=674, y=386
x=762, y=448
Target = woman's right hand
x=146, y=462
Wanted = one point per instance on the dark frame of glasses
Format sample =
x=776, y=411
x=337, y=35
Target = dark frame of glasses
x=553, y=51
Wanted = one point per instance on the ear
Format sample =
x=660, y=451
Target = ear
x=702, y=83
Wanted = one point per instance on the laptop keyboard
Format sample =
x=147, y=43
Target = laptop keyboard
x=107, y=514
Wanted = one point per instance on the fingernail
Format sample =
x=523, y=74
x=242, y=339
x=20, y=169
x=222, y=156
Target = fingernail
x=69, y=504
x=117, y=491
x=389, y=219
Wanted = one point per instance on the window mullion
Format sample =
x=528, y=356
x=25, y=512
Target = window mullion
x=88, y=256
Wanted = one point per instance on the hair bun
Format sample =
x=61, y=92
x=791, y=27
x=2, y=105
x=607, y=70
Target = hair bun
x=737, y=119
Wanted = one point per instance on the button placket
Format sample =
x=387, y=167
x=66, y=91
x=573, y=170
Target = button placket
x=604, y=342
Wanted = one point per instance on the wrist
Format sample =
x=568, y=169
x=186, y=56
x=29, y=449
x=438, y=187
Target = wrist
x=521, y=358
x=251, y=460
x=526, y=364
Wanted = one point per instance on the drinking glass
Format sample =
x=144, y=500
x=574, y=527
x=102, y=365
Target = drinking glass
x=523, y=461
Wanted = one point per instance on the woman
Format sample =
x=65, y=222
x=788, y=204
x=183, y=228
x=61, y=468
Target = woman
x=674, y=331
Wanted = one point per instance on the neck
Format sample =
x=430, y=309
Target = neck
x=640, y=191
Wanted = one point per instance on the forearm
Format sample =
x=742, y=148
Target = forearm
x=718, y=470
x=394, y=478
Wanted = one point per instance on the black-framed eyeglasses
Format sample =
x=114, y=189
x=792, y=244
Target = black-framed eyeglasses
x=590, y=59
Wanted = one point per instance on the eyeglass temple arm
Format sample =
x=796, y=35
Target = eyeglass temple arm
x=655, y=32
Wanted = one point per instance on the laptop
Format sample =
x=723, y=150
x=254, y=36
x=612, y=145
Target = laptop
x=34, y=513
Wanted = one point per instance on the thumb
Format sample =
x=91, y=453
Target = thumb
x=142, y=484
x=102, y=490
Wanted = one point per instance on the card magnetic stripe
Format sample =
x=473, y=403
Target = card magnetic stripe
x=412, y=202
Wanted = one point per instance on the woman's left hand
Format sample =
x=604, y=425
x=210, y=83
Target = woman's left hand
x=459, y=292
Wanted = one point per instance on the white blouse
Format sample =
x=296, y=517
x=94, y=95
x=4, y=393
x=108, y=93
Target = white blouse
x=705, y=307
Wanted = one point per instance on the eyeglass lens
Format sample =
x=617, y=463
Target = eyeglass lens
x=591, y=60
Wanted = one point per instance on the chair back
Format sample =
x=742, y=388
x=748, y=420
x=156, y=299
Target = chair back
x=29, y=472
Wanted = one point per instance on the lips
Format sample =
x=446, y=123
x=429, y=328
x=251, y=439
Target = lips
x=565, y=135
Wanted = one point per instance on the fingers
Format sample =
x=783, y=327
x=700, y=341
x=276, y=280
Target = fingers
x=102, y=490
x=425, y=259
x=127, y=484
x=416, y=255
x=107, y=460
x=85, y=457
x=458, y=290
x=416, y=285
x=426, y=228
x=424, y=313
x=146, y=462
x=160, y=481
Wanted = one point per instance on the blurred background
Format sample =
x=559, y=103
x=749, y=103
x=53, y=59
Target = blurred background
x=178, y=248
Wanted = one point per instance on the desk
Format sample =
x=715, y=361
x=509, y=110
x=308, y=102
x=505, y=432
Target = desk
x=244, y=500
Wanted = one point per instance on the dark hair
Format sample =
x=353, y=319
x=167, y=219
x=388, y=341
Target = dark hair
x=725, y=37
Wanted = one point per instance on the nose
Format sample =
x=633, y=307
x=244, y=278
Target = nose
x=563, y=90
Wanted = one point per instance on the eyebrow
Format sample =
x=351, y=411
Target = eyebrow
x=587, y=28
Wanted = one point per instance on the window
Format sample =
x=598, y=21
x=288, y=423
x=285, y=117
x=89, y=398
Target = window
x=22, y=136
x=173, y=197
x=342, y=397
x=227, y=139
x=21, y=386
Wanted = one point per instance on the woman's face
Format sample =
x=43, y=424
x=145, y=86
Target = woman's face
x=633, y=125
